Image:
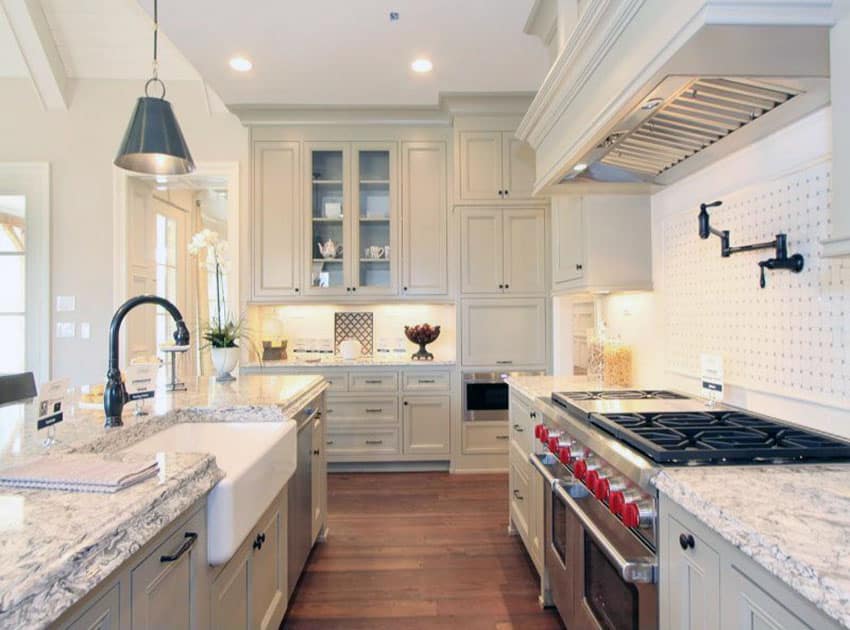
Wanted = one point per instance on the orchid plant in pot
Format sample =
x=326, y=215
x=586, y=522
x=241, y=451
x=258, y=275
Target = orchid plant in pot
x=221, y=334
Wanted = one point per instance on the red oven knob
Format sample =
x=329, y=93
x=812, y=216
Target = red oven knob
x=631, y=515
x=601, y=489
x=616, y=502
x=564, y=454
x=544, y=435
x=591, y=479
x=537, y=429
x=552, y=441
x=580, y=469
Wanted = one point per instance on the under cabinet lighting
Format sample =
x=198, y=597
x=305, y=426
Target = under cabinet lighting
x=422, y=65
x=241, y=64
x=578, y=168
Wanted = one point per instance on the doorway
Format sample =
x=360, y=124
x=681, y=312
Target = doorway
x=156, y=222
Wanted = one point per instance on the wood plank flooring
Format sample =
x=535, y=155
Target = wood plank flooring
x=418, y=550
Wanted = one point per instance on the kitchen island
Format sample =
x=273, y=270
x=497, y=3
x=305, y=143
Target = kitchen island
x=58, y=546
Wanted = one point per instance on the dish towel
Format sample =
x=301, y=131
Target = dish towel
x=78, y=473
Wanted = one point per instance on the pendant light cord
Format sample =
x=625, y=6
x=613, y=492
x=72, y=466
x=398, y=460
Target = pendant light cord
x=155, y=78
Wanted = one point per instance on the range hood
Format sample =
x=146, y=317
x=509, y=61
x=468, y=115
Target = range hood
x=677, y=127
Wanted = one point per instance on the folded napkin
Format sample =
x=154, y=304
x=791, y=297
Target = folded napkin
x=78, y=473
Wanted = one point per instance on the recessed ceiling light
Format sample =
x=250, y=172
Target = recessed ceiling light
x=422, y=65
x=581, y=166
x=241, y=64
x=161, y=179
x=162, y=187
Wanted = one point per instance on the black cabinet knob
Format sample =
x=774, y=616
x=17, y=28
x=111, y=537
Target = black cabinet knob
x=501, y=192
x=315, y=451
x=507, y=286
x=578, y=267
x=353, y=288
x=348, y=289
x=686, y=541
x=297, y=290
x=405, y=288
x=501, y=286
x=507, y=192
x=405, y=403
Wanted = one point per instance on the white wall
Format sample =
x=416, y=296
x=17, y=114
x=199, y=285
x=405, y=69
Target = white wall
x=642, y=319
x=80, y=144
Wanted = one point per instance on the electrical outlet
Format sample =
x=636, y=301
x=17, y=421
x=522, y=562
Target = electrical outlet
x=65, y=330
x=66, y=303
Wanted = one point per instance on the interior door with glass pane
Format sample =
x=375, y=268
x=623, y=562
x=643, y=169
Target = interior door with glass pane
x=374, y=229
x=13, y=289
x=170, y=266
x=327, y=233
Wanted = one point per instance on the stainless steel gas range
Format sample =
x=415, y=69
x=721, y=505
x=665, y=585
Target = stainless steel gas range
x=597, y=452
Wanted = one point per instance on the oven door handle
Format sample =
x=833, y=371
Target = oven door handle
x=541, y=468
x=633, y=570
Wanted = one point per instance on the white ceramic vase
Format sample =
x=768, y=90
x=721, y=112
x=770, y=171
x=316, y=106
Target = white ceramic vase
x=224, y=361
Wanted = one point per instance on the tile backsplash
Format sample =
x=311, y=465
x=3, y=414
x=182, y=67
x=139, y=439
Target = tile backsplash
x=314, y=325
x=791, y=338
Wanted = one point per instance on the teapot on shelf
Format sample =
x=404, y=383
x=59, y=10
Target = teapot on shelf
x=329, y=249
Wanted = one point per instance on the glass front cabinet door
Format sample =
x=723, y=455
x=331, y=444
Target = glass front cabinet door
x=352, y=224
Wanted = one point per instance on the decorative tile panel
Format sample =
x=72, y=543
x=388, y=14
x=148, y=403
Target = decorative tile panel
x=357, y=325
x=791, y=338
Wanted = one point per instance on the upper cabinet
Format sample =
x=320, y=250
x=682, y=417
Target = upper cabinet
x=493, y=166
x=424, y=210
x=503, y=251
x=601, y=243
x=277, y=185
x=351, y=218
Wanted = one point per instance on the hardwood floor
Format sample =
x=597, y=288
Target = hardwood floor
x=418, y=550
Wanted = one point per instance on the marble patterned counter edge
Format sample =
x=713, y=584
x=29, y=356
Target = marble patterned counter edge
x=337, y=362
x=47, y=581
x=794, y=521
x=542, y=386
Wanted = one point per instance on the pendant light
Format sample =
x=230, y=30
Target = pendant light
x=153, y=142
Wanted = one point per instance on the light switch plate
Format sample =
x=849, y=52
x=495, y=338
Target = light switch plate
x=66, y=303
x=65, y=329
x=85, y=330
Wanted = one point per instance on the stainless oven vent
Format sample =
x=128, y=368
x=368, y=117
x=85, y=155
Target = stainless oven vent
x=704, y=111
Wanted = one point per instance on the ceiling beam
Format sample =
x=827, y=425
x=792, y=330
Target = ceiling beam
x=32, y=32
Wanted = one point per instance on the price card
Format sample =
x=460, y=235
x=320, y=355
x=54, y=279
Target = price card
x=711, y=368
x=140, y=380
x=51, y=398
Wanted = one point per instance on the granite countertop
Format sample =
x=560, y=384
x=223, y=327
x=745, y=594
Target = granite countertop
x=56, y=546
x=335, y=361
x=792, y=520
x=542, y=386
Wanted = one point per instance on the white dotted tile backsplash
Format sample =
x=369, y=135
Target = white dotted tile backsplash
x=791, y=338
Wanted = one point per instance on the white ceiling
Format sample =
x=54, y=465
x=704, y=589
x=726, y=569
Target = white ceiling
x=348, y=52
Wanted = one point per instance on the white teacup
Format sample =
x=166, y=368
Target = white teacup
x=374, y=252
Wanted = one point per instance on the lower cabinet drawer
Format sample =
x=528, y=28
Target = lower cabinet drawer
x=426, y=381
x=374, y=410
x=485, y=437
x=337, y=381
x=364, y=382
x=520, y=495
x=365, y=442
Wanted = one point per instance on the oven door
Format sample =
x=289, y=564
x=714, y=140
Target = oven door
x=613, y=573
x=556, y=560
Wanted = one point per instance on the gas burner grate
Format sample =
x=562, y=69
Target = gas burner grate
x=620, y=394
x=718, y=437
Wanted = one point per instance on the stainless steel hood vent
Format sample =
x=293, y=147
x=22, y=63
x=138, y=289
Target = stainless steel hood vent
x=678, y=120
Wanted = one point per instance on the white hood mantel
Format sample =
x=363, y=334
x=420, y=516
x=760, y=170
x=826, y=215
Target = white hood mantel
x=620, y=50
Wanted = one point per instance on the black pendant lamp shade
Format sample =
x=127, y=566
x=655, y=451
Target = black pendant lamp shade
x=153, y=142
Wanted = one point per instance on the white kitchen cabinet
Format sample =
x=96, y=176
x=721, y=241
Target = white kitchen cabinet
x=163, y=585
x=602, y=243
x=426, y=425
x=351, y=203
x=485, y=438
x=424, y=210
x=319, y=476
x=494, y=166
x=276, y=225
x=519, y=488
x=229, y=594
x=267, y=568
x=503, y=332
x=503, y=251
x=103, y=614
x=522, y=421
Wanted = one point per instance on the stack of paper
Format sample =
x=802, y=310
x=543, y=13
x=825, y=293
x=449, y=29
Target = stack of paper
x=78, y=473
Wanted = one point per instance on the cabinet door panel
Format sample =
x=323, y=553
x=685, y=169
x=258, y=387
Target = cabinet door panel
x=693, y=581
x=568, y=245
x=319, y=477
x=161, y=590
x=267, y=578
x=424, y=216
x=517, y=167
x=520, y=496
x=504, y=332
x=102, y=614
x=480, y=164
x=755, y=609
x=481, y=251
x=525, y=251
x=277, y=185
x=229, y=595
x=427, y=424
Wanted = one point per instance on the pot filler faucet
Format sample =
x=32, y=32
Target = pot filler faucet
x=115, y=394
x=781, y=261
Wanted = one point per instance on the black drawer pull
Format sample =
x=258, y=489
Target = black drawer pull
x=378, y=410
x=503, y=362
x=315, y=451
x=518, y=496
x=329, y=442
x=501, y=437
x=373, y=381
x=190, y=537
x=258, y=541
x=518, y=429
x=686, y=541
x=426, y=381
x=374, y=442
x=329, y=410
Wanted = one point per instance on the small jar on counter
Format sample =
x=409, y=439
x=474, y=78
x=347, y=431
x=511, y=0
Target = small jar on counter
x=617, y=364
